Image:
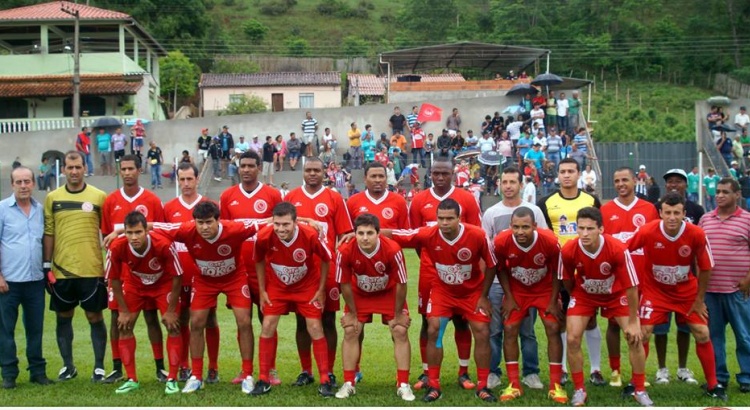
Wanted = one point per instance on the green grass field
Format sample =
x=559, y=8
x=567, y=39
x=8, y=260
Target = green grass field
x=377, y=388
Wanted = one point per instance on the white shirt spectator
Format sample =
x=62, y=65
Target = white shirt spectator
x=486, y=144
x=742, y=119
x=538, y=115
x=587, y=178
x=562, y=107
x=514, y=130
x=538, y=140
x=529, y=192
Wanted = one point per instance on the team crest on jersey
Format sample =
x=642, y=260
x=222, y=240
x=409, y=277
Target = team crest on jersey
x=246, y=291
x=154, y=264
x=333, y=293
x=387, y=213
x=142, y=209
x=539, y=259
x=380, y=267
x=684, y=251
x=321, y=210
x=299, y=255
x=623, y=300
x=605, y=268
x=260, y=206
x=224, y=250
x=639, y=220
x=464, y=254
x=87, y=207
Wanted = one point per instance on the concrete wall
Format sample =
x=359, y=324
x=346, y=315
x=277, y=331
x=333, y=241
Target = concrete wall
x=216, y=99
x=401, y=96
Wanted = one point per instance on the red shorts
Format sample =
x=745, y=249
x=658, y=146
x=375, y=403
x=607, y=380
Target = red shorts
x=234, y=286
x=426, y=275
x=114, y=306
x=383, y=304
x=444, y=305
x=655, y=309
x=582, y=304
x=526, y=302
x=140, y=298
x=282, y=303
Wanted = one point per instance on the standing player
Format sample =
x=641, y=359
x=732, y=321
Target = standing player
x=250, y=201
x=313, y=200
x=460, y=289
x=179, y=210
x=598, y=273
x=559, y=210
x=153, y=277
x=671, y=247
x=622, y=217
x=528, y=260
x=423, y=212
x=296, y=282
x=376, y=266
x=132, y=197
x=72, y=261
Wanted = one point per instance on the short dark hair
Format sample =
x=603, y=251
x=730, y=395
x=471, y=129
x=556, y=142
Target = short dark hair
x=626, y=168
x=450, y=204
x=733, y=184
x=672, y=198
x=135, y=218
x=569, y=160
x=314, y=159
x=184, y=166
x=73, y=154
x=285, y=208
x=513, y=170
x=206, y=210
x=374, y=164
x=523, y=211
x=367, y=220
x=592, y=213
x=269, y=138
x=129, y=157
x=252, y=155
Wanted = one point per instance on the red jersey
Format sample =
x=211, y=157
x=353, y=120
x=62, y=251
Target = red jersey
x=219, y=259
x=290, y=267
x=423, y=209
x=118, y=205
x=390, y=209
x=598, y=275
x=326, y=207
x=670, y=259
x=456, y=261
x=155, y=267
x=176, y=211
x=530, y=270
x=622, y=221
x=378, y=272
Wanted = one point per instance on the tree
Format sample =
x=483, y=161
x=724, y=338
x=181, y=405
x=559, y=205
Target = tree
x=255, y=30
x=297, y=47
x=178, y=75
x=246, y=104
x=354, y=46
x=234, y=66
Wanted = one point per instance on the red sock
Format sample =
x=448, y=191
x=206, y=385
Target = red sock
x=513, y=378
x=482, y=374
x=115, y=346
x=127, y=353
x=247, y=367
x=174, y=353
x=305, y=358
x=705, y=353
x=614, y=363
x=185, y=340
x=320, y=350
x=265, y=358
x=639, y=381
x=578, y=380
x=274, y=348
x=555, y=374
x=433, y=372
x=158, y=349
x=463, y=345
x=349, y=376
x=331, y=359
x=197, y=367
x=212, y=346
x=402, y=376
x=423, y=351
x=645, y=348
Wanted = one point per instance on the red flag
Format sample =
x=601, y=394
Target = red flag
x=429, y=112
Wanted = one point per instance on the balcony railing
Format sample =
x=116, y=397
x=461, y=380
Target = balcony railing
x=42, y=124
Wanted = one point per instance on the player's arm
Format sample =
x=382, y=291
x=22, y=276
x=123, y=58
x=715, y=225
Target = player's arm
x=401, y=290
x=704, y=263
x=555, y=261
x=343, y=278
x=259, y=255
x=48, y=240
x=125, y=320
x=490, y=272
x=405, y=238
x=170, y=319
x=322, y=251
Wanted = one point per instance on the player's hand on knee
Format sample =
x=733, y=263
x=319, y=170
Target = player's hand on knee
x=400, y=320
x=509, y=305
x=264, y=300
x=699, y=308
x=171, y=321
x=554, y=310
x=349, y=320
x=125, y=320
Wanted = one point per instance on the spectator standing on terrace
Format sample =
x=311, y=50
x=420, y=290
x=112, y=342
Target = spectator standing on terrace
x=741, y=120
x=709, y=188
x=526, y=104
x=309, y=129
x=243, y=146
x=355, y=146
x=574, y=105
x=505, y=148
x=214, y=152
x=119, y=141
x=397, y=122
x=417, y=143
x=368, y=144
x=562, y=112
x=268, y=153
x=104, y=146
x=693, y=184
x=83, y=145
x=453, y=123
x=554, y=145
x=724, y=145
x=444, y=145
x=641, y=179
x=329, y=139
x=294, y=147
x=226, y=142
x=550, y=119
x=411, y=119
x=204, y=140
x=155, y=159
x=537, y=115
x=497, y=122
x=280, y=153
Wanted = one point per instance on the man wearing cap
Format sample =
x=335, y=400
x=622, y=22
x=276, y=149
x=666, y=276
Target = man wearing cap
x=734, y=170
x=676, y=180
x=741, y=120
x=226, y=143
x=204, y=140
x=535, y=155
x=241, y=146
x=444, y=144
x=256, y=145
x=640, y=181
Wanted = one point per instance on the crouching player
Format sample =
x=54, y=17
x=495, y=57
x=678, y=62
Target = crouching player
x=375, y=265
x=155, y=278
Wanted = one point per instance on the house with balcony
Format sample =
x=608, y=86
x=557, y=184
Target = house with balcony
x=119, y=67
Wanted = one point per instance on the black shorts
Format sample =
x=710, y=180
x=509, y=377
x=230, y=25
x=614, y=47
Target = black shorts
x=90, y=293
x=119, y=154
x=225, y=155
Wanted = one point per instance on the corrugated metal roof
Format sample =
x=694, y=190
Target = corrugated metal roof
x=52, y=11
x=62, y=85
x=269, y=79
x=371, y=84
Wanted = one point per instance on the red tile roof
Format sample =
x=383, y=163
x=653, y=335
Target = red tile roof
x=62, y=85
x=52, y=11
x=370, y=84
x=269, y=79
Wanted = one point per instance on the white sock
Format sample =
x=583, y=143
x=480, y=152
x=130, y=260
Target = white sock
x=594, y=342
x=564, y=336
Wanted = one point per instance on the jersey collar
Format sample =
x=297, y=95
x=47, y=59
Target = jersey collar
x=148, y=248
x=376, y=201
x=218, y=234
x=250, y=194
x=598, y=251
x=373, y=253
x=187, y=205
x=446, y=196
x=313, y=195
x=456, y=239
x=626, y=207
x=533, y=242
x=131, y=199
x=672, y=238
x=294, y=238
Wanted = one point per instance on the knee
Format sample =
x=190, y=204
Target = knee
x=481, y=333
x=197, y=325
x=552, y=328
x=93, y=317
x=432, y=332
x=701, y=334
x=510, y=331
x=399, y=333
x=574, y=341
x=315, y=329
x=350, y=335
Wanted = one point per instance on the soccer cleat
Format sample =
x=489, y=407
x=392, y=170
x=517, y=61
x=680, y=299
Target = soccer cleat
x=615, y=380
x=641, y=397
x=533, y=381
x=326, y=389
x=432, y=394
x=564, y=379
x=744, y=387
x=346, y=390
x=248, y=384
x=273, y=378
x=67, y=373
x=304, y=379
x=171, y=387
x=464, y=382
x=162, y=375
x=493, y=381
x=579, y=398
x=184, y=374
x=332, y=379
x=41, y=380
x=98, y=376
x=422, y=382
x=113, y=377
x=9, y=384
x=213, y=376
x=485, y=395
x=239, y=378
x=686, y=375
x=404, y=391
x=128, y=386
x=717, y=392
x=662, y=376
x=510, y=393
x=628, y=390
x=597, y=379
x=193, y=384
x=358, y=377
x=262, y=387
x=558, y=394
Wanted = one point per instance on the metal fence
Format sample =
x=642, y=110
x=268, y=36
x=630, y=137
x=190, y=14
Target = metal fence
x=658, y=157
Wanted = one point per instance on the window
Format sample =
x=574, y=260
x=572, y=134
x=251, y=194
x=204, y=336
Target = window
x=235, y=98
x=306, y=100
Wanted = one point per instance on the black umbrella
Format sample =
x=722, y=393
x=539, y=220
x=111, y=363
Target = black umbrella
x=522, y=89
x=491, y=158
x=106, y=122
x=547, y=79
x=53, y=155
x=725, y=128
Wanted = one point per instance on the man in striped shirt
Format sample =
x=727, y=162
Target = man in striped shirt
x=309, y=128
x=411, y=119
x=728, y=230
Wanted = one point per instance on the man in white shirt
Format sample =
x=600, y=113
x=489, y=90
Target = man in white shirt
x=741, y=120
x=486, y=143
x=537, y=115
x=562, y=112
x=256, y=145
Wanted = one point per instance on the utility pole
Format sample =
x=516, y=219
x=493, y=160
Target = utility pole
x=76, y=67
